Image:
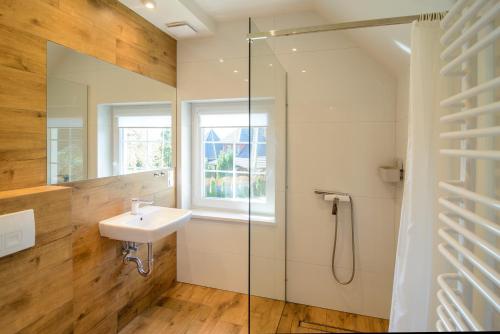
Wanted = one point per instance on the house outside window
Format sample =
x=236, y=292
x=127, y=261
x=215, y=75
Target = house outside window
x=231, y=160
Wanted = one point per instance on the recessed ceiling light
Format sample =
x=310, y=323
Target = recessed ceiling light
x=270, y=65
x=151, y=4
x=294, y=49
x=221, y=60
x=235, y=71
x=303, y=71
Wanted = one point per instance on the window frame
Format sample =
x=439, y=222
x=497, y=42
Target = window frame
x=198, y=201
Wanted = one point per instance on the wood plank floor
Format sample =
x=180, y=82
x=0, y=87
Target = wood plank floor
x=188, y=308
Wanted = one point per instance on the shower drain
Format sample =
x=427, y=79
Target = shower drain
x=325, y=328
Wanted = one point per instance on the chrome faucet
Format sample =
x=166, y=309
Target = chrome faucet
x=135, y=204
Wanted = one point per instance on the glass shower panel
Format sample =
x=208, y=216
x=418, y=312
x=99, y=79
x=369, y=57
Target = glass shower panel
x=266, y=181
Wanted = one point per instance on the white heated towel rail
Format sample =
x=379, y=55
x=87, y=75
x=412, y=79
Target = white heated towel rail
x=468, y=293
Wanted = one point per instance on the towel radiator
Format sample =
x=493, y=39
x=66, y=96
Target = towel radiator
x=468, y=289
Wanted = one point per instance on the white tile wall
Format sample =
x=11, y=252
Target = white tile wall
x=344, y=120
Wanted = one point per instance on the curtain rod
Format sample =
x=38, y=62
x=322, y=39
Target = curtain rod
x=345, y=25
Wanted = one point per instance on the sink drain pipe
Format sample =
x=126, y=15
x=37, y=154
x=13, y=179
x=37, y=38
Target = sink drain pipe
x=129, y=249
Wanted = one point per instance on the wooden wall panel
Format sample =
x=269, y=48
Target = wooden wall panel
x=73, y=280
x=36, y=294
x=101, y=28
x=109, y=294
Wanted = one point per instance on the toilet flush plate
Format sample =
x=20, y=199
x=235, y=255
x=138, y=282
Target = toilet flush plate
x=17, y=231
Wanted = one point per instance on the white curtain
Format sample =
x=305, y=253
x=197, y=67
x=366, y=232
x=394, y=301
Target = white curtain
x=413, y=290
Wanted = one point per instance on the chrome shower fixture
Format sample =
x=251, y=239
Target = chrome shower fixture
x=337, y=197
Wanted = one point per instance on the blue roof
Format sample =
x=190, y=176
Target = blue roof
x=212, y=151
x=244, y=137
x=244, y=152
x=212, y=136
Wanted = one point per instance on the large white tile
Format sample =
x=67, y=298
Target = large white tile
x=267, y=278
x=374, y=146
x=310, y=229
x=314, y=285
x=310, y=232
x=214, y=236
x=347, y=80
x=212, y=80
x=377, y=294
x=320, y=156
x=401, y=138
x=374, y=234
x=403, y=96
x=217, y=270
x=268, y=240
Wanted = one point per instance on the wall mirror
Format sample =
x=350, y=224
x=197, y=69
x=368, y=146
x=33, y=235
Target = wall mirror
x=103, y=120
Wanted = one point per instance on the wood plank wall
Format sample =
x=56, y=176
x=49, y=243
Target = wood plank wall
x=101, y=28
x=109, y=294
x=36, y=294
x=101, y=294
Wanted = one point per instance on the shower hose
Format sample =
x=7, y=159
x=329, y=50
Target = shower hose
x=334, y=212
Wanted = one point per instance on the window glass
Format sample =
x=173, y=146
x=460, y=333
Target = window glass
x=226, y=153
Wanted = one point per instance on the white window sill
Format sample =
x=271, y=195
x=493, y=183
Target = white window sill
x=230, y=216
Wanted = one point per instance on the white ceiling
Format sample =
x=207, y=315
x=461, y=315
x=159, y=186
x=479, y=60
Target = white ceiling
x=168, y=11
x=228, y=10
x=203, y=15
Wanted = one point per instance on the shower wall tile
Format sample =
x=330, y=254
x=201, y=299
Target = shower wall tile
x=368, y=294
x=311, y=284
x=345, y=81
x=311, y=230
x=213, y=80
x=344, y=121
x=220, y=270
x=373, y=147
x=318, y=157
x=270, y=284
x=377, y=293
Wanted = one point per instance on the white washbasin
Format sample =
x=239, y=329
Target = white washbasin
x=151, y=224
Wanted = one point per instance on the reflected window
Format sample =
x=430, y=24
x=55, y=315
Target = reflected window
x=65, y=154
x=145, y=143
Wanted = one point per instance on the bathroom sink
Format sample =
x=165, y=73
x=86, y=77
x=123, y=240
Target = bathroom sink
x=150, y=224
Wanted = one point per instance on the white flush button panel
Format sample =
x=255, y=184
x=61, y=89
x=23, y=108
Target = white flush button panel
x=17, y=231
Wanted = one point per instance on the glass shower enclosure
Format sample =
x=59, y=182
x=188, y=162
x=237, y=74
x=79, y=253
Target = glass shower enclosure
x=267, y=205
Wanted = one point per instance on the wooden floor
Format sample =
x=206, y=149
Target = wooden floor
x=193, y=309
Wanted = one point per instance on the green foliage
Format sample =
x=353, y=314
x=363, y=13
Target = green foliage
x=259, y=186
x=225, y=159
x=166, y=148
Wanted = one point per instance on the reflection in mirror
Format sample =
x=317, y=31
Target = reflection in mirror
x=103, y=120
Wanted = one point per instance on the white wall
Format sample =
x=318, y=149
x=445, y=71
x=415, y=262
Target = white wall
x=341, y=126
x=403, y=102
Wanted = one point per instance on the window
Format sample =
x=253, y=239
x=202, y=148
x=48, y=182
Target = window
x=227, y=154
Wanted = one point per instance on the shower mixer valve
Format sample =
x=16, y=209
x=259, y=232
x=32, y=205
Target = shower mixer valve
x=337, y=197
